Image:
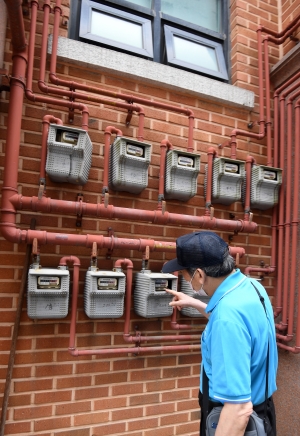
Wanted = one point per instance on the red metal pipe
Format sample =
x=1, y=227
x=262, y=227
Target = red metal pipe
x=107, y=136
x=129, y=98
x=284, y=31
x=76, y=265
x=15, y=16
x=100, y=210
x=164, y=145
x=211, y=153
x=261, y=134
x=289, y=87
x=289, y=289
x=287, y=32
x=28, y=91
x=249, y=161
x=268, y=105
x=267, y=270
x=134, y=350
x=284, y=321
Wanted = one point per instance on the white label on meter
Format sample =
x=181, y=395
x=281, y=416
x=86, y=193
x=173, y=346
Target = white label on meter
x=231, y=168
x=161, y=284
x=48, y=282
x=107, y=283
x=185, y=161
x=270, y=175
x=70, y=137
x=134, y=150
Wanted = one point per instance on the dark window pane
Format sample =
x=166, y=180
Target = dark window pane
x=204, y=13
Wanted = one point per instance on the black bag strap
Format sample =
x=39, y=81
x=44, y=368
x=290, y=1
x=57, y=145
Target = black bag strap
x=205, y=403
x=262, y=300
x=205, y=386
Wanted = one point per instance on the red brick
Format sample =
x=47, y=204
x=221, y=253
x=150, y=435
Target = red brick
x=109, y=429
x=32, y=412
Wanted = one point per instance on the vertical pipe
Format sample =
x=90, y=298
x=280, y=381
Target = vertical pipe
x=294, y=259
x=107, y=135
x=211, y=153
x=268, y=105
x=164, y=145
x=12, y=354
x=287, y=224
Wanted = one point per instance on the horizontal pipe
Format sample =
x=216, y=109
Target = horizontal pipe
x=133, y=350
x=157, y=217
x=294, y=350
x=266, y=270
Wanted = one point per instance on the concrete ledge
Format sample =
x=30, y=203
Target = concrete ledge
x=133, y=68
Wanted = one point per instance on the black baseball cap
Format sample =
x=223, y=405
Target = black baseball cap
x=197, y=250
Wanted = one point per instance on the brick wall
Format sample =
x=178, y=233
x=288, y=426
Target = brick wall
x=54, y=393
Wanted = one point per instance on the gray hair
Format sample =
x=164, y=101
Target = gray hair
x=217, y=270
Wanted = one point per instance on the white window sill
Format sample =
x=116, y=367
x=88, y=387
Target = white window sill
x=131, y=67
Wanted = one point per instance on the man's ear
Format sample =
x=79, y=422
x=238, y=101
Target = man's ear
x=201, y=275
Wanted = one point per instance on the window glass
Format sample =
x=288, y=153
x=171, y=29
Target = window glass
x=194, y=53
x=204, y=13
x=145, y=3
x=116, y=29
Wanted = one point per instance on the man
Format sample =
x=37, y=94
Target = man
x=235, y=340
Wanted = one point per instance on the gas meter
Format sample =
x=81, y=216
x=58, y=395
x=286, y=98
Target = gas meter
x=227, y=178
x=201, y=295
x=129, y=162
x=48, y=293
x=150, y=298
x=104, y=293
x=69, y=155
x=265, y=184
x=182, y=169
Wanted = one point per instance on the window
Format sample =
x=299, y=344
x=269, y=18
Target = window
x=190, y=34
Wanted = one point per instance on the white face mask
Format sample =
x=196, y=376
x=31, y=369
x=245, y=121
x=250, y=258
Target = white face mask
x=201, y=292
x=190, y=282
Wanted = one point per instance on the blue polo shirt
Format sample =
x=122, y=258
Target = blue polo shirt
x=235, y=341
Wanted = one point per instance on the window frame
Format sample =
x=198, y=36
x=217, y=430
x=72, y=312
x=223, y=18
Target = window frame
x=158, y=20
x=171, y=31
x=87, y=8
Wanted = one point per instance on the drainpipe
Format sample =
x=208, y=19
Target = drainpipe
x=164, y=146
x=287, y=318
x=211, y=153
x=107, y=135
x=292, y=85
x=249, y=161
x=261, y=134
x=28, y=91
